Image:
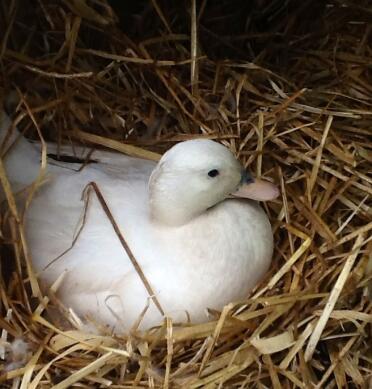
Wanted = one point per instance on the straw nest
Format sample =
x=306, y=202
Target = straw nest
x=287, y=85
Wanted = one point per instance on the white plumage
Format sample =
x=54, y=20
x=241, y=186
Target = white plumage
x=197, y=247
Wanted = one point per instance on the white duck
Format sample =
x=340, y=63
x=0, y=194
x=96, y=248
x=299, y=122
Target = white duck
x=198, y=248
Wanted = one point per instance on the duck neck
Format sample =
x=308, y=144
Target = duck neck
x=166, y=210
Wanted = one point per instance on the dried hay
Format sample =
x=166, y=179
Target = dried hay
x=287, y=86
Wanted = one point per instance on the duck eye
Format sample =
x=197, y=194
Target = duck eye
x=213, y=173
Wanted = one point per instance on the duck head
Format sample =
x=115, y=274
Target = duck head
x=195, y=175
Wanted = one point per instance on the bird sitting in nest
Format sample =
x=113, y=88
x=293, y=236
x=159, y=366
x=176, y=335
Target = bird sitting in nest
x=140, y=240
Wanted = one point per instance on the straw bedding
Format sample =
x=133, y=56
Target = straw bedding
x=287, y=86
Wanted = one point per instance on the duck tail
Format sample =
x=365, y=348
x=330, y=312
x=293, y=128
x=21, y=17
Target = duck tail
x=21, y=159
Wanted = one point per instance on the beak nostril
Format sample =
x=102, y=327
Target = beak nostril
x=246, y=178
